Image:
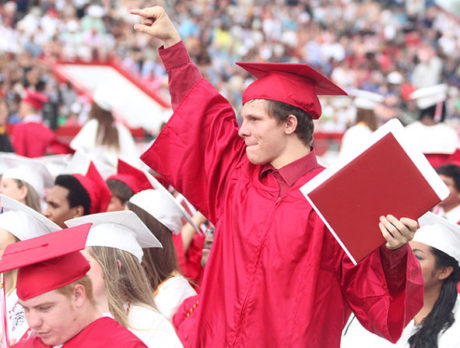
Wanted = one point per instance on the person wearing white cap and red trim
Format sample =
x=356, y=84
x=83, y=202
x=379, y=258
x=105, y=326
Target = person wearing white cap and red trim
x=430, y=134
x=102, y=133
x=114, y=249
x=365, y=122
x=437, y=246
x=276, y=277
x=163, y=215
x=25, y=179
x=18, y=222
x=56, y=293
x=31, y=137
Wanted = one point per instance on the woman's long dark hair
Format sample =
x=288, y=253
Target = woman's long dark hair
x=441, y=317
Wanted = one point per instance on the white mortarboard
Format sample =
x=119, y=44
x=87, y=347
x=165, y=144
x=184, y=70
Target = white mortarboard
x=439, y=233
x=81, y=159
x=164, y=207
x=55, y=163
x=22, y=221
x=105, y=95
x=365, y=99
x=123, y=230
x=429, y=96
x=95, y=11
x=395, y=78
x=30, y=170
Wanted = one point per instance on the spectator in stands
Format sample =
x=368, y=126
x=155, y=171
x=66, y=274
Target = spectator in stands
x=31, y=138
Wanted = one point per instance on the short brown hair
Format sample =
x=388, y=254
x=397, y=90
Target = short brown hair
x=67, y=290
x=280, y=111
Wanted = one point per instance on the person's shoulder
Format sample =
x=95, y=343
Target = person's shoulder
x=178, y=283
x=105, y=332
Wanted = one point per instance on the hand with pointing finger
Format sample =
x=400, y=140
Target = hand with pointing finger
x=155, y=22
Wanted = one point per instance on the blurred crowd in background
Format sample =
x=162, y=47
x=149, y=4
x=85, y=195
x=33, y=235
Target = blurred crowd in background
x=390, y=47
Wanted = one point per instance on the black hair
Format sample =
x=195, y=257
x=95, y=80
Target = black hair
x=77, y=193
x=441, y=317
x=452, y=171
x=281, y=111
x=431, y=111
x=120, y=190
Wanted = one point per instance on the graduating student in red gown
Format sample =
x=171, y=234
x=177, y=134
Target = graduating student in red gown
x=32, y=138
x=56, y=294
x=276, y=277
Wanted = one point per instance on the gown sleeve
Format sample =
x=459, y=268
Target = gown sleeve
x=385, y=291
x=200, y=144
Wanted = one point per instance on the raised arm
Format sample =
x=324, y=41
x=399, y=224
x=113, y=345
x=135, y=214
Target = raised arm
x=182, y=73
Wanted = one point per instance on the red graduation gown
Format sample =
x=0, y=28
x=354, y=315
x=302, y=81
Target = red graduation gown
x=31, y=139
x=102, y=333
x=276, y=277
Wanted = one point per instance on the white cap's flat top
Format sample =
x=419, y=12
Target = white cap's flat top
x=439, y=233
x=32, y=171
x=123, y=230
x=24, y=222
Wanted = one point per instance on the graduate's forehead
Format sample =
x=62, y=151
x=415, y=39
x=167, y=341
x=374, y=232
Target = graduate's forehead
x=255, y=107
x=50, y=297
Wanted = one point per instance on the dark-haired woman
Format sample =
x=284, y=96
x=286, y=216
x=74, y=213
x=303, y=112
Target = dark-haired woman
x=437, y=325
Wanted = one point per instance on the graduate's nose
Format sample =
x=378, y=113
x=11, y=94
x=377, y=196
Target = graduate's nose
x=243, y=131
x=33, y=320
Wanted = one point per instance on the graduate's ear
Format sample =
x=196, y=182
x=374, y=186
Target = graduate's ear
x=79, y=295
x=78, y=211
x=290, y=124
x=445, y=272
x=23, y=190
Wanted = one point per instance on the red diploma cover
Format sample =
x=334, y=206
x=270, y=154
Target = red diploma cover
x=387, y=177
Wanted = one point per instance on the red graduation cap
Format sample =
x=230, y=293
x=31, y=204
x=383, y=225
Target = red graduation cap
x=98, y=191
x=36, y=99
x=47, y=262
x=294, y=84
x=135, y=178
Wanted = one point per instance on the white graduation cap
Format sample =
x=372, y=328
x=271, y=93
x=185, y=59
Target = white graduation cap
x=24, y=222
x=429, y=96
x=105, y=95
x=55, y=163
x=123, y=230
x=395, y=78
x=439, y=233
x=365, y=99
x=81, y=159
x=164, y=207
x=30, y=170
x=95, y=11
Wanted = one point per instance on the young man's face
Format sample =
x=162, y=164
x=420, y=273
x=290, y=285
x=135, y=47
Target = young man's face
x=265, y=138
x=58, y=209
x=52, y=317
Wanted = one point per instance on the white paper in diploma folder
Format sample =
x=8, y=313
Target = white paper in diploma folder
x=387, y=177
